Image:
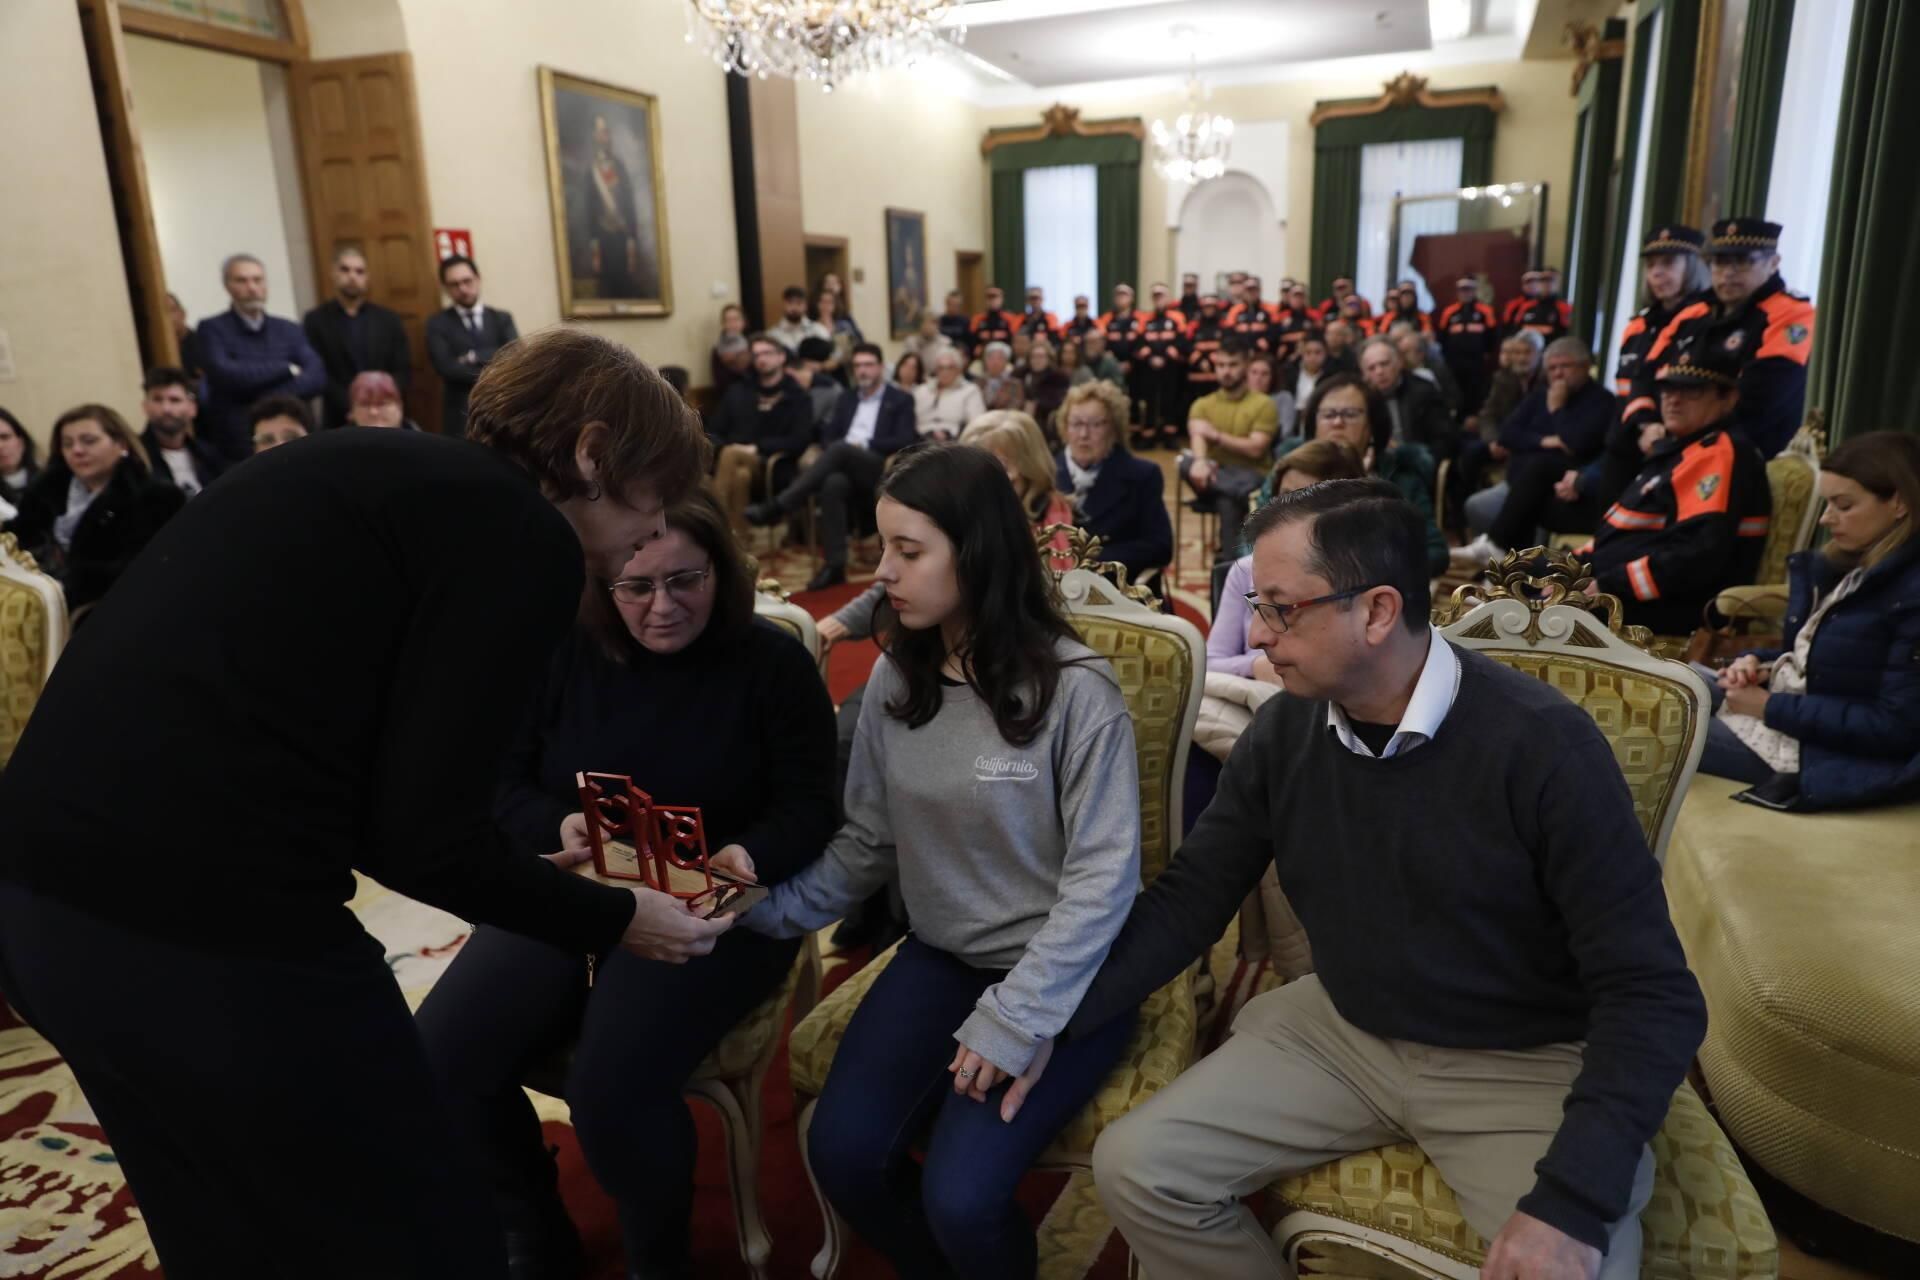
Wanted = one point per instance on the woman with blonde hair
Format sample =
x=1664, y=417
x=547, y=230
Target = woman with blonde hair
x=1117, y=495
x=1015, y=439
x=1832, y=717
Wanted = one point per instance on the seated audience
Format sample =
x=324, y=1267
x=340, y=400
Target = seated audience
x=1045, y=384
x=1263, y=379
x=249, y=354
x=810, y=371
x=1016, y=440
x=1415, y=351
x=795, y=326
x=1229, y=438
x=1414, y=405
x=1227, y=649
x=1346, y=409
x=1503, y=987
x=1000, y=384
x=869, y=425
x=1098, y=362
x=758, y=422
x=1014, y=892
x=1558, y=428
x=946, y=404
x=1518, y=374
x=1117, y=495
x=841, y=332
x=175, y=455
x=956, y=327
x=1837, y=706
x=1694, y=520
x=94, y=507
x=19, y=464
x=910, y=372
x=1311, y=359
x=279, y=420
x=673, y=643
x=926, y=343
x=374, y=401
x=732, y=358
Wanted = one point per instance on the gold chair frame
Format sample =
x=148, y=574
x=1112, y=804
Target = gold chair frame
x=30, y=649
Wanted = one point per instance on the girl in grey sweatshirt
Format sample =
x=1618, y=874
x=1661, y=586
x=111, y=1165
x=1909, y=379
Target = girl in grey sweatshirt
x=993, y=766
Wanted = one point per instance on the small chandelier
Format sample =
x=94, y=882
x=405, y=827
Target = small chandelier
x=1195, y=148
x=826, y=41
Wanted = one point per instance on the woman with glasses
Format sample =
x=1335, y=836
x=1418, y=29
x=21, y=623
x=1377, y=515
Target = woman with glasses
x=673, y=683
x=1117, y=495
x=1346, y=409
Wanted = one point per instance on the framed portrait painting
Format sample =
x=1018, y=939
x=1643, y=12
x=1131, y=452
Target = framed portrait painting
x=906, y=270
x=609, y=202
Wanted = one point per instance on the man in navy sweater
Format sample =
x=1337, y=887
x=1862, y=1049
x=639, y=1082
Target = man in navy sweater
x=1496, y=975
x=250, y=355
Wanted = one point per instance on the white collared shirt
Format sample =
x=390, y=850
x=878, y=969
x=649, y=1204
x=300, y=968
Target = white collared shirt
x=866, y=418
x=1433, y=697
x=472, y=319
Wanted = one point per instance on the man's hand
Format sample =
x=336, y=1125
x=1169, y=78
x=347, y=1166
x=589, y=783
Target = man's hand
x=1745, y=670
x=1499, y=452
x=1567, y=487
x=665, y=928
x=1554, y=442
x=1652, y=434
x=1157, y=363
x=1529, y=1249
x=1556, y=396
x=1200, y=475
x=736, y=862
x=574, y=838
x=831, y=631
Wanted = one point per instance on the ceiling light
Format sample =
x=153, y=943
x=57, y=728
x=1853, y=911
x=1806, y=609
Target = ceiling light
x=1450, y=19
x=821, y=40
x=1194, y=148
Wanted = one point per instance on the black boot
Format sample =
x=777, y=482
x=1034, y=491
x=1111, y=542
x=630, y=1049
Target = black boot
x=831, y=575
x=762, y=514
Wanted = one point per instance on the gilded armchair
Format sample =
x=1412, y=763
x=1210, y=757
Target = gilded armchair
x=33, y=630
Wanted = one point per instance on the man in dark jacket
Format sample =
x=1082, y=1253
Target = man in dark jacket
x=462, y=339
x=176, y=455
x=865, y=429
x=354, y=335
x=249, y=354
x=1419, y=411
x=770, y=417
x=1469, y=342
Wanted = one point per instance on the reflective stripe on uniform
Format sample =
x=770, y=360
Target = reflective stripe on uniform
x=1640, y=578
x=1626, y=518
x=1755, y=526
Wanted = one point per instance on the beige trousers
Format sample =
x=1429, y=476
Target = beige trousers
x=733, y=475
x=1297, y=1085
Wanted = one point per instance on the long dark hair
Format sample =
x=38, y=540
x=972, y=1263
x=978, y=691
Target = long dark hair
x=30, y=452
x=1013, y=626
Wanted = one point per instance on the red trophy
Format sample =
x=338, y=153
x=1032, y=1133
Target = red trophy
x=663, y=847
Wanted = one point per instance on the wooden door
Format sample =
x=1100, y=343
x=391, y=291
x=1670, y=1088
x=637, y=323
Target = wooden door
x=970, y=277
x=366, y=186
x=827, y=254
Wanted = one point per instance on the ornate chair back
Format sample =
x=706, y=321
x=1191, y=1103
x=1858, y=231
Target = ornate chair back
x=1793, y=478
x=33, y=630
x=771, y=603
x=1652, y=710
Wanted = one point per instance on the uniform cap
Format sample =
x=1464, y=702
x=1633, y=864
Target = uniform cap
x=1701, y=369
x=1672, y=238
x=1737, y=237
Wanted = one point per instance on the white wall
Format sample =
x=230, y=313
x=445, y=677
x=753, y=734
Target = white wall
x=211, y=171
x=1230, y=224
x=63, y=288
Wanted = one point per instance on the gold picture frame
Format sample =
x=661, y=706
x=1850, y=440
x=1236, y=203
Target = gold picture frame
x=607, y=185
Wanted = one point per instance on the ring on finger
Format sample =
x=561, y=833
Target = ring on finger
x=966, y=1073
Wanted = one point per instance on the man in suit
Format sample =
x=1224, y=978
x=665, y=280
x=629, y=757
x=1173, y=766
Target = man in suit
x=355, y=336
x=248, y=355
x=615, y=255
x=864, y=430
x=463, y=338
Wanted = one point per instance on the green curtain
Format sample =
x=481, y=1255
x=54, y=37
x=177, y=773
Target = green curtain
x=1859, y=379
x=1336, y=173
x=1117, y=185
x=1587, y=206
x=1756, y=117
x=1672, y=124
x=1117, y=191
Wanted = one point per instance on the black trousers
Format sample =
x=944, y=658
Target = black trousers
x=508, y=1003
x=273, y=1111
x=1531, y=504
x=843, y=477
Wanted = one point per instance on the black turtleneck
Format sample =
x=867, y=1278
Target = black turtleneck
x=739, y=725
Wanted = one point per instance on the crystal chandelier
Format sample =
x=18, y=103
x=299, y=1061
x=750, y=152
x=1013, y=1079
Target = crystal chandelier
x=1195, y=147
x=822, y=40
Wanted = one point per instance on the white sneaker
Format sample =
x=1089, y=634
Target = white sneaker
x=1478, y=554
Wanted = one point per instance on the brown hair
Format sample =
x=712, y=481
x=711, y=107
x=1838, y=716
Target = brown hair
x=1321, y=459
x=1887, y=465
x=698, y=516
x=110, y=422
x=1108, y=397
x=1013, y=436
x=537, y=396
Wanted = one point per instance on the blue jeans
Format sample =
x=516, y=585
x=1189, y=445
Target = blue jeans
x=954, y=1214
x=1726, y=756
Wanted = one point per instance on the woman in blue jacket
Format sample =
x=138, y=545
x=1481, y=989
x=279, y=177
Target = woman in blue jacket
x=1839, y=704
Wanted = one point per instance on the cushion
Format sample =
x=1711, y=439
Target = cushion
x=23, y=660
x=1794, y=487
x=1155, y=671
x=1800, y=930
x=1161, y=1048
x=1703, y=1222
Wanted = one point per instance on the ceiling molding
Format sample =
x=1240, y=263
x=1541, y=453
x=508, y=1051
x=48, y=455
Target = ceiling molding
x=1408, y=90
x=1063, y=121
x=1588, y=46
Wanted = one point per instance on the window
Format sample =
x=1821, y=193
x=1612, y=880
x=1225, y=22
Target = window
x=1062, y=211
x=1389, y=170
x=1803, y=148
x=1627, y=301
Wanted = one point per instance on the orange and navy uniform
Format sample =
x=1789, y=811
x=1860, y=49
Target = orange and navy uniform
x=1203, y=338
x=1123, y=333
x=1693, y=522
x=993, y=326
x=1469, y=343
x=1636, y=340
x=1289, y=327
x=1036, y=323
x=1077, y=327
x=1394, y=315
x=1511, y=313
x=1771, y=334
x=1551, y=317
x=1252, y=320
x=1330, y=307
x=1163, y=334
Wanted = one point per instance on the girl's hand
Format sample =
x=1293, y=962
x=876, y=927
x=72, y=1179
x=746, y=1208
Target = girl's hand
x=973, y=1075
x=1748, y=700
x=736, y=862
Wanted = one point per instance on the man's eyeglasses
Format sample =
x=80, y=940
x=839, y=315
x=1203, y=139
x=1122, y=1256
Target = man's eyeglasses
x=681, y=586
x=1277, y=615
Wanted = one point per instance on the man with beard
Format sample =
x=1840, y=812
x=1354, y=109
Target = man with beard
x=178, y=457
x=248, y=355
x=1229, y=434
x=355, y=335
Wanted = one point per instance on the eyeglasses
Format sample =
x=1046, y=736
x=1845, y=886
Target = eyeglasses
x=1276, y=615
x=1086, y=426
x=681, y=586
x=1332, y=413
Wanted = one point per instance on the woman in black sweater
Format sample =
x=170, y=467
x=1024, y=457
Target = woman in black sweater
x=18, y=465
x=678, y=687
